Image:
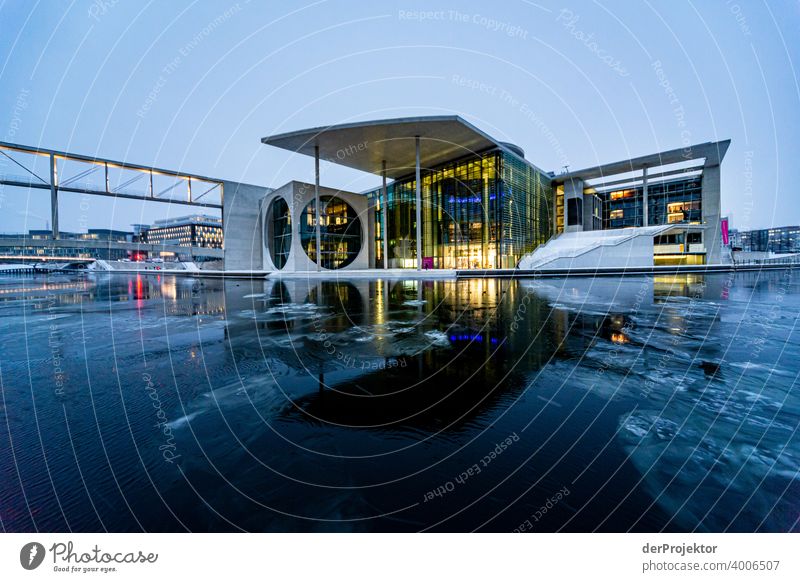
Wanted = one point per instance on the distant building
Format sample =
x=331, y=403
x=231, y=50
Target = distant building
x=197, y=230
x=107, y=234
x=13, y=246
x=138, y=231
x=779, y=240
x=46, y=234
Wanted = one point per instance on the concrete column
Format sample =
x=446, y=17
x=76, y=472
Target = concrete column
x=242, y=226
x=317, y=211
x=712, y=235
x=419, y=208
x=385, y=216
x=645, y=221
x=53, y=198
x=484, y=219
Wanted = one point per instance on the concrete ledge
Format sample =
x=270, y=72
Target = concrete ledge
x=619, y=272
x=368, y=274
x=441, y=274
x=242, y=274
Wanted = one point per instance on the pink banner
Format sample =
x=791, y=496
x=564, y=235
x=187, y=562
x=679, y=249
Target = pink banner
x=725, y=231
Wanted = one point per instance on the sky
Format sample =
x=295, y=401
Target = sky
x=194, y=86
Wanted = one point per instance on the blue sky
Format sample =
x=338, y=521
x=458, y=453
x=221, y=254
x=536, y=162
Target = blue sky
x=195, y=85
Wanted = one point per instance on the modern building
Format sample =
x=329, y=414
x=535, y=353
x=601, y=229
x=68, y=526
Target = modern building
x=138, y=231
x=655, y=210
x=779, y=240
x=107, y=234
x=196, y=230
x=453, y=197
x=18, y=246
x=458, y=199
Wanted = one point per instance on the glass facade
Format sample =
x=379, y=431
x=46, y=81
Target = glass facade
x=186, y=231
x=785, y=239
x=340, y=232
x=279, y=232
x=481, y=212
x=676, y=201
x=559, y=208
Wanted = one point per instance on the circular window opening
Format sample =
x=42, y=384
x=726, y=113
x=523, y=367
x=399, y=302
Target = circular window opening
x=278, y=234
x=340, y=232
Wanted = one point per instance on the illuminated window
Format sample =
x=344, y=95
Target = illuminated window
x=675, y=217
x=340, y=234
x=617, y=214
x=620, y=194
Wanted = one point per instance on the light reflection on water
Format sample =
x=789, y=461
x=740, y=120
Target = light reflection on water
x=661, y=403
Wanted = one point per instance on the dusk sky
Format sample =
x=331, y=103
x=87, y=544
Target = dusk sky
x=194, y=86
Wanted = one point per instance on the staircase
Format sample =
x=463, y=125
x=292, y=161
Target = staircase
x=567, y=247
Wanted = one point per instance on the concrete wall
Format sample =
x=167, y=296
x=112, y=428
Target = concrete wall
x=242, y=225
x=712, y=236
x=636, y=252
x=297, y=196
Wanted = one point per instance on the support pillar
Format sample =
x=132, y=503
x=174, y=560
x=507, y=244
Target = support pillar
x=317, y=210
x=484, y=219
x=53, y=198
x=385, y=216
x=711, y=212
x=645, y=220
x=419, y=207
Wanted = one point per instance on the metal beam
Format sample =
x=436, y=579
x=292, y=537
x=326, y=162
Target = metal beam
x=19, y=184
x=97, y=160
x=214, y=187
x=165, y=190
x=31, y=172
x=80, y=175
x=105, y=164
x=131, y=181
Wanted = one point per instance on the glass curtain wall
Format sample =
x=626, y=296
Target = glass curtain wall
x=482, y=212
x=279, y=232
x=667, y=203
x=340, y=232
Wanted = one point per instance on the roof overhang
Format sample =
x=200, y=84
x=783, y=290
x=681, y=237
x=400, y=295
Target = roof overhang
x=366, y=145
x=711, y=152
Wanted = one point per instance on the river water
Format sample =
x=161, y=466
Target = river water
x=158, y=403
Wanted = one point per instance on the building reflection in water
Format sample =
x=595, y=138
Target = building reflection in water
x=429, y=354
x=315, y=381
x=435, y=353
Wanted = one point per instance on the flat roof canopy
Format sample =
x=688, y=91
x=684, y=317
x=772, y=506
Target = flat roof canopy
x=365, y=145
x=713, y=152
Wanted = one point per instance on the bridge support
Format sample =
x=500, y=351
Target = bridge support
x=53, y=197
